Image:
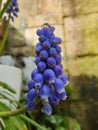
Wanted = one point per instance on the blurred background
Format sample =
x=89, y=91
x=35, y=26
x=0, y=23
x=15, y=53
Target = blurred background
x=76, y=22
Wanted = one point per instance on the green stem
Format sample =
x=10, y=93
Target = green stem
x=32, y=122
x=2, y=44
x=4, y=8
x=13, y=113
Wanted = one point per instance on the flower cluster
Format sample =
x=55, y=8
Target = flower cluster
x=47, y=80
x=12, y=10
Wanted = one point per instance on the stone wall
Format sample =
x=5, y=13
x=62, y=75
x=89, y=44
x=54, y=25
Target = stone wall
x=76, y=22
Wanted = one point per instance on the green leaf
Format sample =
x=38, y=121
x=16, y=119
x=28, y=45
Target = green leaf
x=3, y=107
x=8, y=87
x=7, y=121
x=60, y=128
x=68, y=90
x=8, y=93
x=77, y=126
x=5, y=97
x=32, y=122
x=2, y=125
x=19, y=123
x=9, y=124
x=12, y=123
x=4, y=8
x=54, y=119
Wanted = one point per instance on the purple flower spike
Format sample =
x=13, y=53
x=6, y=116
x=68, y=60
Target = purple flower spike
x=38, y=80
x=59, y=85
x=48, y=80
x=12, y=10
x=51, y=62
x=44, y=91
x=49, y=76
x=47, y=109
x=31, y=95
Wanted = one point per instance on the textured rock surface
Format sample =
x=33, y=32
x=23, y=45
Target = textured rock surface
x=84, y=86
x=75, y=7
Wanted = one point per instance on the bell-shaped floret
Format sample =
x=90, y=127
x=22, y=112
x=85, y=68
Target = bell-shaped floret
x=58, y=59
x=31, y=95
x=34, y=72
x=47, y=109
x=51, y=62
x=53, y=41
x=46, y=45
x=58, y=40
x=58, y=49
x=49, y=76
x=42, y=38
x=39, y=32
x=44, y=91
x=43, y=55
x=52, y=52
x=62, y=95
x=38, y=49
x=30, y=85
x=30, y=105
x=59, y=85
x=53, y=98
x=64, y=78
x=38, y=80
x=37, y=60
x=58, y=71
x=41, y=66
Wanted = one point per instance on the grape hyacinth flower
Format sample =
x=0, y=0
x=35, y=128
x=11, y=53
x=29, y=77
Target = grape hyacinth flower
x=12, y=10
x=47, y=81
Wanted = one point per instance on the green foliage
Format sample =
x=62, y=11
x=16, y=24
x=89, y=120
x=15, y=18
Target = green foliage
x=6, y=94
x=56, y=122
x=76, y=126
x=68, y=90
x=11, y=123
x=32, y=122
x=6, y=86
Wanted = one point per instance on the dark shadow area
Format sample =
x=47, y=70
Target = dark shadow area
x=87, y=101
